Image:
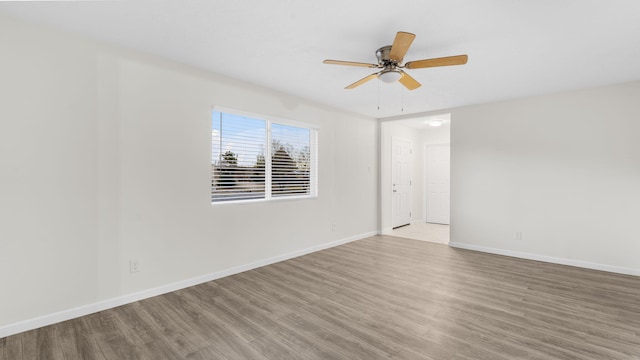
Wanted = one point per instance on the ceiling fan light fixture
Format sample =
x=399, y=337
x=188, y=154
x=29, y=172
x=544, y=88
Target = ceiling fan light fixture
x=390, y=76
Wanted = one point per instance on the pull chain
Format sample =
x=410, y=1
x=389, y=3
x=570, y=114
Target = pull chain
x=378, y=94
x=401, y=99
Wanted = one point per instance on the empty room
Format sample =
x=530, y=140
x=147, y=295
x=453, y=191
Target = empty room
x=429, y=180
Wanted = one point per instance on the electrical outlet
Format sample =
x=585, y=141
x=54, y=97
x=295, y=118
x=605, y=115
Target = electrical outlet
x=518, y=235
x=134, y=266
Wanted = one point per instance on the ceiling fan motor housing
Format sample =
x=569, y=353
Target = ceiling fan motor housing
x=390, y=72
x=383, y=56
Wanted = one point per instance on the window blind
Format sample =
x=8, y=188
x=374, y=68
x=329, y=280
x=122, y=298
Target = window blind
x=245, y=168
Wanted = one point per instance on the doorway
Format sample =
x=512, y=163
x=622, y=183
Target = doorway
x=421, y=211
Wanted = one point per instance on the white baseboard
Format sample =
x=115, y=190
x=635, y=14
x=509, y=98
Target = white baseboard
x=73, y=313
x=549, y=259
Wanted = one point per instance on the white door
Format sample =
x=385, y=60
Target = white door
x=437, y=162
x=401, y=155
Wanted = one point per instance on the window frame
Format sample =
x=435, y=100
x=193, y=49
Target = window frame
x=314, y=130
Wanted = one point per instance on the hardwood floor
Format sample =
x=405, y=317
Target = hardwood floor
x=378, y=298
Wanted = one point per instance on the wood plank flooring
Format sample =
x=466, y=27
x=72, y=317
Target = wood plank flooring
x=378, y=298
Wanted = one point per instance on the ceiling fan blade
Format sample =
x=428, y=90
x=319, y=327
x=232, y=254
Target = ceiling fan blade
x=362, y=81
x=409, y=82
x=349, y=63
x=400, y=45
x=443, y=61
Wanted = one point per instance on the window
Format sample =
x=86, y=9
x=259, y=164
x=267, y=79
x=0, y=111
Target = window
x=254, y=158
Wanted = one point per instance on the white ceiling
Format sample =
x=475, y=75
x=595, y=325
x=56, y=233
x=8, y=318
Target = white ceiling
x=515, y=48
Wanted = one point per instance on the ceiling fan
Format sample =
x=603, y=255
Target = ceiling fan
x=390, y=59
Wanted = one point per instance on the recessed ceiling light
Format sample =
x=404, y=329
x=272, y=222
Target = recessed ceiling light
x=435, y=122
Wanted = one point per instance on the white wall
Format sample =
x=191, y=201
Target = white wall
x=562, y=169
x=436, y=135
x=105, y=157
